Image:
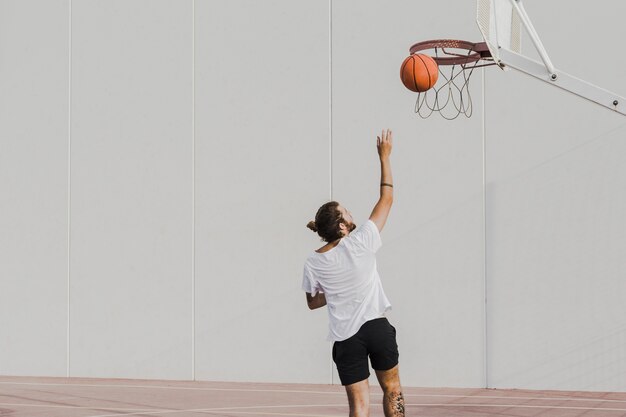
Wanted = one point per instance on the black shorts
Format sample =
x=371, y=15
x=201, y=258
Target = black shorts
x=376, y=339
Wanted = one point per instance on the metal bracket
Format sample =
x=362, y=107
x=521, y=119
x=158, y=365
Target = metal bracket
x=565, y=81
x=534, y=36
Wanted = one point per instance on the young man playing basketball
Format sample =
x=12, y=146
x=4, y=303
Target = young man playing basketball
x=342, y=275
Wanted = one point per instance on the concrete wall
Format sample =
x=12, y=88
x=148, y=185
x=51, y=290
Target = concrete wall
x=34, y=113
x=160, y=159
x=555, y=230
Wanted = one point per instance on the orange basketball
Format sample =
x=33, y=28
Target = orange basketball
x=419, y=72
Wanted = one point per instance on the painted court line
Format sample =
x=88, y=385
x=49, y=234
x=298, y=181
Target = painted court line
x=76, y=407
x=230, y=409
x=241, y=410
x=291, y=391
x=256, y=413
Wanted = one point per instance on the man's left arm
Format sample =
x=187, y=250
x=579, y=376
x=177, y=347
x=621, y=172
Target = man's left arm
x=317, y=301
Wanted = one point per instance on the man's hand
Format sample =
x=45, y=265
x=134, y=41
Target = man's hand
x=315, y=302
x=384, y=142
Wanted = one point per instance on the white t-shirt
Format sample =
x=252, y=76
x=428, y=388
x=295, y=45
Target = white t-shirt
x=348, y=277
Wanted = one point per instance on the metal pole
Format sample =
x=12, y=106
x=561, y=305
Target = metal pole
x=534, y=36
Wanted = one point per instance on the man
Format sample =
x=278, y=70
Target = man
x=343, y=276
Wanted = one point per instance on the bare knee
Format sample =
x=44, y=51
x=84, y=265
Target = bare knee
x=389, y=380
x=392, y=388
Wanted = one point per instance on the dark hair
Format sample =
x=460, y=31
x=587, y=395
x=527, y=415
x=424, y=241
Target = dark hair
x=327, y=221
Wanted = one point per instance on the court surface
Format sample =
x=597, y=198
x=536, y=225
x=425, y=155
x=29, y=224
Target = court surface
x=80, y=397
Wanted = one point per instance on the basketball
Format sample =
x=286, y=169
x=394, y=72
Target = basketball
x=419, y=72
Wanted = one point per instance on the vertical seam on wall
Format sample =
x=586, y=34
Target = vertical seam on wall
x=330, y=91
x=69, y=186
x=485, y=324
x=193, y=190
x=330, y=120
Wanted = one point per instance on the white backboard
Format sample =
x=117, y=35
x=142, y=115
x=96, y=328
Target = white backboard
x=500, y=26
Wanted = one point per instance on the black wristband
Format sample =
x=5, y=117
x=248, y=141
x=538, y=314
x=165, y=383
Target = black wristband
x=384, y=184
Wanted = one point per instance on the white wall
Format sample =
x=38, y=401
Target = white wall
x=131, y=190
x=555, y=230
x=261, y=166
x=33, y=187
x=201, y=138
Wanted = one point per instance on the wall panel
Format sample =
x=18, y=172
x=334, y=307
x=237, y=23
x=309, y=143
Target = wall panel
x=131, y=189
x=34, y=80
x=262, y=169
x=555, y=224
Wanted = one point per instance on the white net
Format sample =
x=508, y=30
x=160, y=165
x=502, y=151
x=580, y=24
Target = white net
x=451, y=96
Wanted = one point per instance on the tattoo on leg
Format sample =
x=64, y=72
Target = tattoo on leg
x=396, y=405
x=399, y=405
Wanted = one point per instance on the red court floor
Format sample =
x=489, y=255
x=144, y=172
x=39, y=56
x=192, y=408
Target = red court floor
x=80, y=397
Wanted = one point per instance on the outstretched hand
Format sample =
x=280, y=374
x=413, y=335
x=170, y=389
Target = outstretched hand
x=379, y=215
x=384, y=143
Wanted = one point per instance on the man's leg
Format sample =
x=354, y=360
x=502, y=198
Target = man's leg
x=359, y=398
x=393, y=401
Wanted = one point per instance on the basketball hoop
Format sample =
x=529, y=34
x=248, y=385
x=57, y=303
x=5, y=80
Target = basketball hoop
x=456, y=61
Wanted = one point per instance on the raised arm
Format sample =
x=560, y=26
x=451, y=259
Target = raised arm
x=381, y=210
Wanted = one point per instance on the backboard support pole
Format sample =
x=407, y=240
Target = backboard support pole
x=565, y=81
x=534, y=36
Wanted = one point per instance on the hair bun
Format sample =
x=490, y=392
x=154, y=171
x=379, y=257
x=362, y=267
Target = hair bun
x=311, y=225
